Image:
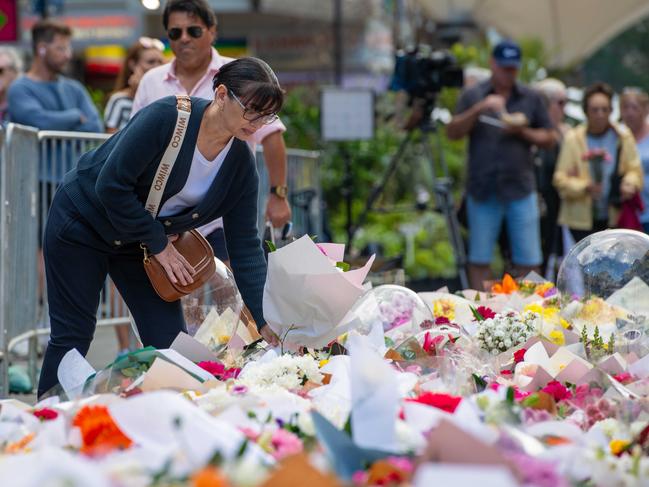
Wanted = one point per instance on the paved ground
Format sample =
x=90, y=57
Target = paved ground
x=102, y=352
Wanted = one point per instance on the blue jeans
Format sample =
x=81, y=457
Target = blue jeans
x=522, y=218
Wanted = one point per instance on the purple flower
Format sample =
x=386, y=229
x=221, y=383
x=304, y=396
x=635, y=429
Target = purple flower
x=536, y=472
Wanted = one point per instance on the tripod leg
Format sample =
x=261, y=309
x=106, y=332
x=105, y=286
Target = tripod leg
x=376, y=192
x=444, y=204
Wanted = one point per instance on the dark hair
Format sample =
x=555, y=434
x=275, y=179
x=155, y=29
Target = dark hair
x=253, y=82
x=45, y=30
x=599, y=87
x=197, y=8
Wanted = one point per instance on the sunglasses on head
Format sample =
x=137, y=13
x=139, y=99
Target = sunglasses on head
x=150, y=43
x=194, y=31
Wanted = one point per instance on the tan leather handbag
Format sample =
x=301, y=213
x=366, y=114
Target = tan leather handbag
x=198, y=252
x=191, y=244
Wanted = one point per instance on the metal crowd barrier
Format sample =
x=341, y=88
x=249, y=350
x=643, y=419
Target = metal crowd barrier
x=27, y=191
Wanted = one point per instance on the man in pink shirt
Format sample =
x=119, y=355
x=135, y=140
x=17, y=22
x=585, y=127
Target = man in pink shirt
x=191, y=27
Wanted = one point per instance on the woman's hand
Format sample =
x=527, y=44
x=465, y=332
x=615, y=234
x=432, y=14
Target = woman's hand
x=175, y=265
x=269, y=335
x=627, y=190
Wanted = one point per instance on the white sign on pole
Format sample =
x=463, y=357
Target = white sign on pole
x=347, y=114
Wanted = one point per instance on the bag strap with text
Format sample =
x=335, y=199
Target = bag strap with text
x=170, y=155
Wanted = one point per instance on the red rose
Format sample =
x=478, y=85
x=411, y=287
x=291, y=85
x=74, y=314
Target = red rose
x=445, y=402
x=557, y=390
x=45, y=414
x=519, y=355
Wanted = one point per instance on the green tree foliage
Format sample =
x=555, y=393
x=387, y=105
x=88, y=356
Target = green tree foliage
x=624, y=61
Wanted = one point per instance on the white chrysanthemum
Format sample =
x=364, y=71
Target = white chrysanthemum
x=286, y=371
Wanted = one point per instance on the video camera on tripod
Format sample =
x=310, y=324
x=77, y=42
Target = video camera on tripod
x=423, y=72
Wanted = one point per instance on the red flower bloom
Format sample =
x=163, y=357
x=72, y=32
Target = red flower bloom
x=45, y=414
x=557, y=390
x=431, y=342
x=232, y=373
x=623, y=378
x=485, y=312
x=218, y=370
x=519, y=355
x=214, y=368
x=445, y=402
x=442, y=320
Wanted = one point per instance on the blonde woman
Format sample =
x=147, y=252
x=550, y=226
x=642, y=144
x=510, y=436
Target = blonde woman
x=598, y=167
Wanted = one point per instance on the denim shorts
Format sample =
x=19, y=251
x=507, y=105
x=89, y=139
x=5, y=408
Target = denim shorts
x=485, y=220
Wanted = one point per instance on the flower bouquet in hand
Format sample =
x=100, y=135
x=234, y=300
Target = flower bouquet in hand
x=596, y=158
x=308, y=292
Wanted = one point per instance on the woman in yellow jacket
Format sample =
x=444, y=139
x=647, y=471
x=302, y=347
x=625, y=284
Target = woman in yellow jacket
x=590, y=188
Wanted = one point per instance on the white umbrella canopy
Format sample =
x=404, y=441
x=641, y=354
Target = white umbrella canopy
x=571, y=30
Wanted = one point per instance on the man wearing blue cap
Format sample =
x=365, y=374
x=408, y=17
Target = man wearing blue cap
x=503, y=119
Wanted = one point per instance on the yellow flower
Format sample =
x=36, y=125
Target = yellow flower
x=445, y=308
x=564, y=323
x=556, y=337
x=265, y=441
x=224, y=339
x=550, y=313
x=323, y=362
x=618, y=446
x=541, y=289
x=534, y=308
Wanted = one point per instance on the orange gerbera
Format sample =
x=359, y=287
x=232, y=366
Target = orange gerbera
x=209, y=476
x=99, y=432
x=507, y=286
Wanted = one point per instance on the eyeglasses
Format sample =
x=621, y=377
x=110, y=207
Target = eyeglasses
x=195, y=31
x=252, y=116
x=150, y=43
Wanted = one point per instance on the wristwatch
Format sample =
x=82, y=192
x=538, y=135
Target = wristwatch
x=281, y=191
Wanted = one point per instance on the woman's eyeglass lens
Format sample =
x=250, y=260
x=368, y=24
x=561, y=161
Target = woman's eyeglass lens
x=252, y=116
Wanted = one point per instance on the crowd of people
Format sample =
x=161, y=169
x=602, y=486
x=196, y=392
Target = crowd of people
x=527, y=168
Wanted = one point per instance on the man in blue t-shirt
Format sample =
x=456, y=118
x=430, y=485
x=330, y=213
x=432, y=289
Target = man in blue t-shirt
x=45, y=99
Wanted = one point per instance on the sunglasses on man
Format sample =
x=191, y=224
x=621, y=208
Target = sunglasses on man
x=194, y=31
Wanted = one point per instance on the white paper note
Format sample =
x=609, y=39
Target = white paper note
x=73, y=372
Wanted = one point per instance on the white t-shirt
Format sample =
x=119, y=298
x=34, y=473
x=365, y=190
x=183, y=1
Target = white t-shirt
x=201, y=176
